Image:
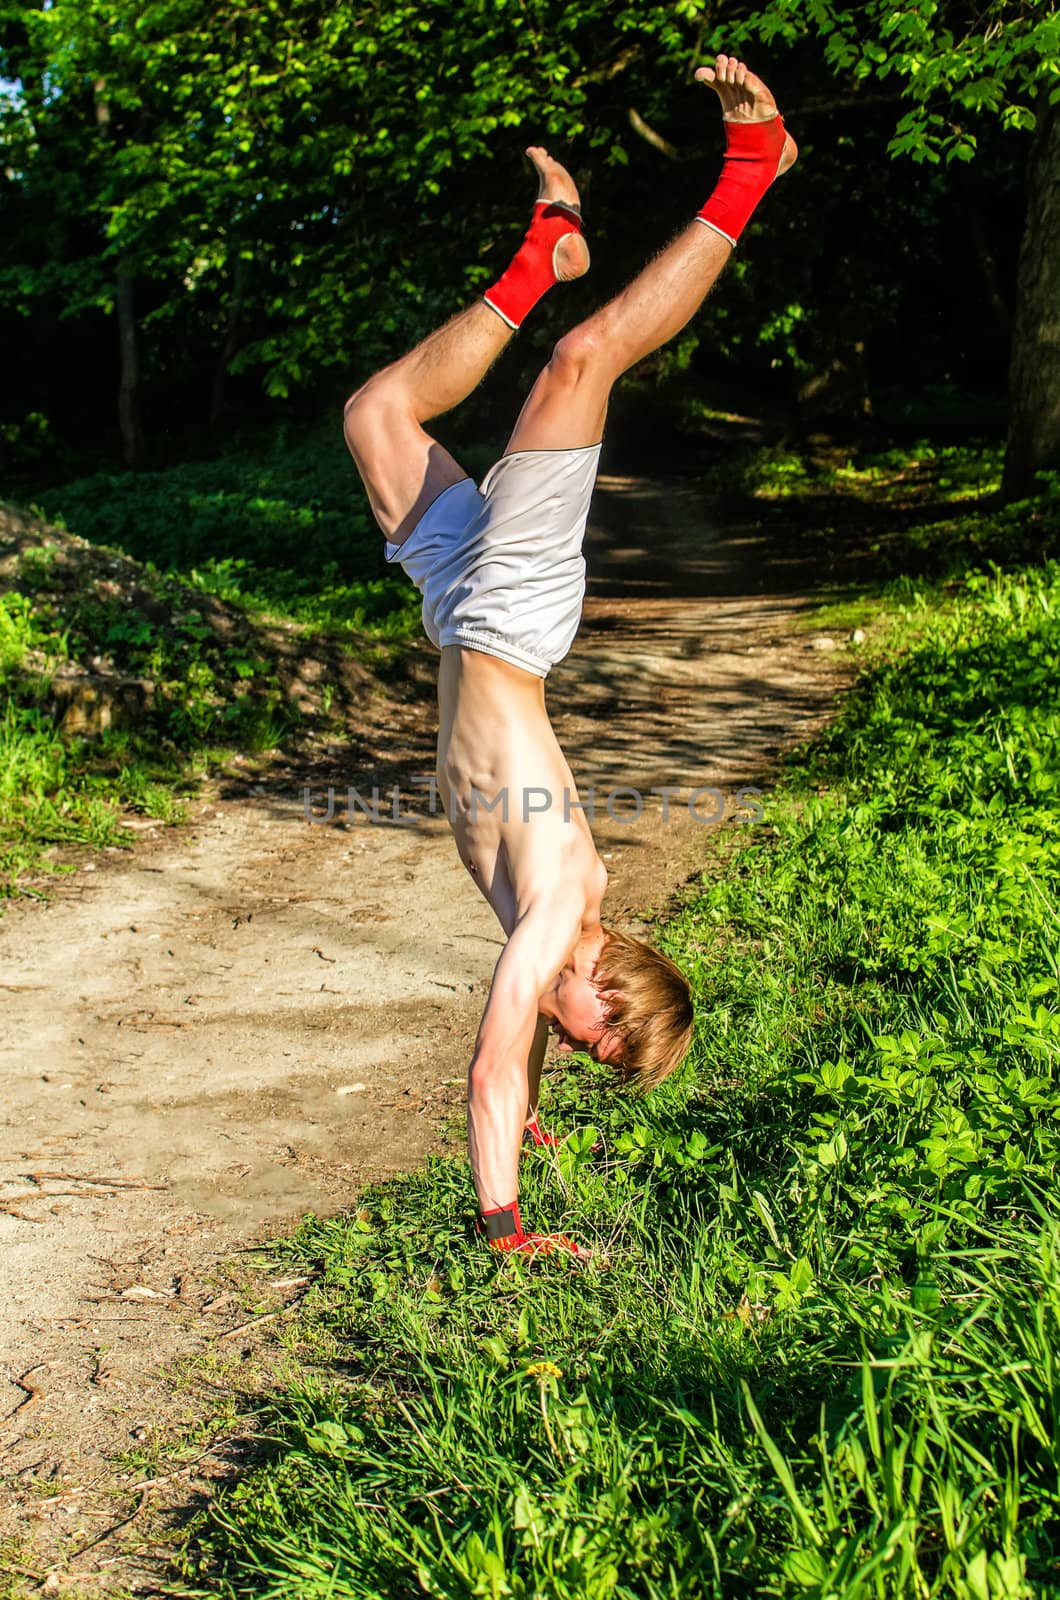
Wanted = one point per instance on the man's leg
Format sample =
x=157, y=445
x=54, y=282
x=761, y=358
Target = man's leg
x=403, y=468
x=568, y=405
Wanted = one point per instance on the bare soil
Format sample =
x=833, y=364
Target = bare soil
x=254, y=1015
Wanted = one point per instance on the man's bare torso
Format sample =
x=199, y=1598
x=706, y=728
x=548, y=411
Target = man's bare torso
x=508, y=791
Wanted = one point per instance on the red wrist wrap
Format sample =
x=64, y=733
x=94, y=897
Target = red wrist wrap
x=533, y=268
x=504, y=1231
x=752, y=156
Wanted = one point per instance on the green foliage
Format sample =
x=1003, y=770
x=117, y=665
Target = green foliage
x=293, y=194
x=27, y=443
x=925, y=510
x=815, y=1350
x=955, y=67
x=286, y=532
x=43, y=800
x=960, y=473
x=269, y=154
x=17, y=633
x=243, y=569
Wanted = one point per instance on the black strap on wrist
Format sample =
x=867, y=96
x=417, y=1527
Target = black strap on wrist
x=500, y=1224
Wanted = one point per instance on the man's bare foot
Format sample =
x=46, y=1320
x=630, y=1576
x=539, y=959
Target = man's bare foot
x=745, y=98
x=571, y=257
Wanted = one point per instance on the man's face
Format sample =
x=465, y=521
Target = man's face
x=579, y=1022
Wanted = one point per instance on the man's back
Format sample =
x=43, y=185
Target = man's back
x=509, y=793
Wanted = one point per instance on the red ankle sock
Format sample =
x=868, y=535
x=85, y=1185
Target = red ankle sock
x=533, y=267
x=752, y=156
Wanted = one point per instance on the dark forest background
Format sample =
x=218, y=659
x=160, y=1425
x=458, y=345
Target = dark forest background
x=217, y=218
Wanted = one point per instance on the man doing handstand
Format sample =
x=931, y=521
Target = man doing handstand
x=502, y=575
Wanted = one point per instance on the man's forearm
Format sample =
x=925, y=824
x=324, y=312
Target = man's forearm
x=497, y=1094
x=535, y=1063
x=496, y=1114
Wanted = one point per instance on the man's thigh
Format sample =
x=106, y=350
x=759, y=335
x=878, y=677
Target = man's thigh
x=567, y=407
x=403, y=469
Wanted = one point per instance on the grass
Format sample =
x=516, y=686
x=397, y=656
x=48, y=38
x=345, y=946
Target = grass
x=284, y=533
x=816, y=1350
x=921, y=512
x=208, y=583
x=46, y=798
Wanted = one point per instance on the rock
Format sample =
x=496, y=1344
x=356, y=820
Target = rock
x=86, y=705
x=858, y=636
x=822, y=643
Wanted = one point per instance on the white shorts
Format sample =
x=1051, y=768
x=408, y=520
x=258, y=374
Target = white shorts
x=500, y=567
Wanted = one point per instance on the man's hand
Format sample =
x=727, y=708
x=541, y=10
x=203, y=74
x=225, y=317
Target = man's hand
x=541, y=1244
x=504, y=1231
x=538, y=1134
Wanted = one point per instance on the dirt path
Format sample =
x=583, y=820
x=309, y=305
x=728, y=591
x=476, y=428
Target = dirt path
x=255, y=1015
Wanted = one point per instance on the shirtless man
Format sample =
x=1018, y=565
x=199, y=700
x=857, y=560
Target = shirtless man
x=502, y=577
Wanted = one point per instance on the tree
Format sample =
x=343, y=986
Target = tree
x=1034, y=399
x=955, y=65
x=276, y=168
x=271, y=196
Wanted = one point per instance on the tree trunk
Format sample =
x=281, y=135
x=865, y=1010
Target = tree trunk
x=1034, y=373
x=130, y=420
x=129, y=417
x=229, y=347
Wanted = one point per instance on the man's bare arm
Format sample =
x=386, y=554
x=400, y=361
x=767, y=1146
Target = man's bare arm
x=498, y=1081
x=534, y=1064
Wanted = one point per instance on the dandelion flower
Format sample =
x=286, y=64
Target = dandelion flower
x=543, y=1369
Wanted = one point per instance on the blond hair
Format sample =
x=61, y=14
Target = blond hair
x=650, y=1009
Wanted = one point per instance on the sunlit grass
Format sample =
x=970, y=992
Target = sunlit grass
x=959, y=473
x=815, y=1350
x=285, y=534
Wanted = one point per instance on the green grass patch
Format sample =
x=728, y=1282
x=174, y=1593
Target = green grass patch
x=49, y=794
x=961, y=473
x=200, y=592
x=816, y=1350
x=285, y=533
x=922, y=512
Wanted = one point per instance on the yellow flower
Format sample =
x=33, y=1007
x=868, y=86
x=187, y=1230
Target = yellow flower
x=543, y=1369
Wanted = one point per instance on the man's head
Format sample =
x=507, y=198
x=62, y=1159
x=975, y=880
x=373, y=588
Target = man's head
x=634, y=1013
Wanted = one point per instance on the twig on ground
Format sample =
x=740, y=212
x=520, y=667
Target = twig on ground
x=33, y=1393
x=63, y=1194
x=152, y=1483
x=40, y=1508
x=84, y=1322
x=110, y=1182
x=253, y=1322
x=107, y=1532
x=22, y=1572
x=266, y=1316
